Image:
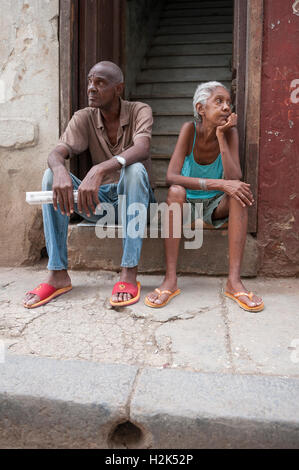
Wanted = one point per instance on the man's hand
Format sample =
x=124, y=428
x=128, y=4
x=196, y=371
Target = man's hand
x=239, y=191
x=88, y=191
x=231, y=122
x=63, y=191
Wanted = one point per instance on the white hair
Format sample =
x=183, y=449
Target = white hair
x=203, y=93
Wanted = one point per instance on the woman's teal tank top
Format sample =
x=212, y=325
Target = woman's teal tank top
x=195, y=170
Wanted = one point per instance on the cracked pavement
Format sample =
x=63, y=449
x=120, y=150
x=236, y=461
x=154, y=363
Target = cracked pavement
x=199, y=330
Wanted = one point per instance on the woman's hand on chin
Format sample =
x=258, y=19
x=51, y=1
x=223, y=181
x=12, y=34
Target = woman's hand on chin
x=231, y=122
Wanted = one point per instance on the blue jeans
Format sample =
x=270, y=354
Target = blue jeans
x=133, y=183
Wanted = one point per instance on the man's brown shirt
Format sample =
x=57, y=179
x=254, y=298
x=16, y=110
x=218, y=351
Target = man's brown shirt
x=86, y=130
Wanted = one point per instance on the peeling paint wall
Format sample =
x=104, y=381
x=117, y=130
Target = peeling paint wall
x=29, y=119
x=278, y=207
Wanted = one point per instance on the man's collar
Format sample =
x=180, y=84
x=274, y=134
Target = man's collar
x=123, y=117
x=99, y=119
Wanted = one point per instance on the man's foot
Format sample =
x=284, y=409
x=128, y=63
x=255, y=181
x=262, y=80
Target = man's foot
x=57, y=279
x=158, y=298
x=127, y=275
x=233, y=287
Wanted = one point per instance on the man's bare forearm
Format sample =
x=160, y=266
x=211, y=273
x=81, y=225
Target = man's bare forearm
x=62, y=182
x=96, y=174
x=56, y=159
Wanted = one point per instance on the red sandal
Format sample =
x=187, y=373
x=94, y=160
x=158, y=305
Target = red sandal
x=128, y=288
x=46, y=292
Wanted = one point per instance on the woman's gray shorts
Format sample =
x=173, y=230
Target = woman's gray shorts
x=209, y=205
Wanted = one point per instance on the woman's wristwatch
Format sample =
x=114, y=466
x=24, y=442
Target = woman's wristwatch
x=121, y=160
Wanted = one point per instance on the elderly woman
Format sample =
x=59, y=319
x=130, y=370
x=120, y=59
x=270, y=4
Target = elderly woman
x=205, y=168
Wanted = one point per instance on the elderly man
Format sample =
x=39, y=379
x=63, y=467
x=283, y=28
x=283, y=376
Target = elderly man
x=118, y=135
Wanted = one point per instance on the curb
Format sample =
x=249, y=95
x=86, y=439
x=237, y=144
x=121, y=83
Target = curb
x=47, y=403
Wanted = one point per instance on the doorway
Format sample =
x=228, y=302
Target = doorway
x=94, y=30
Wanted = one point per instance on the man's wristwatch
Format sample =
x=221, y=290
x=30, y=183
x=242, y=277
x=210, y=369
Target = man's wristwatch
x=121, y=160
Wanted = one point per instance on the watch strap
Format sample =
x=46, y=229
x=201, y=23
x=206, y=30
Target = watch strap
x=121, y=160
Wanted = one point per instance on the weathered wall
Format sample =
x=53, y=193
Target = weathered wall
x=278, y=206
x=142, y=17
x=29, y=104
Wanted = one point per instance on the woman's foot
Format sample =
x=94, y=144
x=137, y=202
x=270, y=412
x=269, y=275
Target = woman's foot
x=157, y=298
x=57, y=279
x=235, y=286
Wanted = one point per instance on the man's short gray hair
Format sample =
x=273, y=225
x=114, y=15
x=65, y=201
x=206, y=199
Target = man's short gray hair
x=203, y=93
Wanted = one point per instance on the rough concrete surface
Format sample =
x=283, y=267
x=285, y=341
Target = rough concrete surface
x=199, y=330
x=199, y=347
x=46, y=403
x=216, y=410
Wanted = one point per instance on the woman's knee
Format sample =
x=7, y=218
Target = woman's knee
x=235, y=205
x=47, y=180
x=176, y=193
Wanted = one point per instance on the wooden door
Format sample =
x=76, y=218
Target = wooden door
x=247, y=66
x=90, y=31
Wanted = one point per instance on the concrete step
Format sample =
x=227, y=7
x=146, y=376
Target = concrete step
x=190, y=49
x=86, y=251
x=170, y=105
x=195, y=20
x=194, y=12
x=175, y=89
x=188, y=29
x=184, y=75
x=204, y=38
x=204, y=4
x=170, y=124
x=187, y=61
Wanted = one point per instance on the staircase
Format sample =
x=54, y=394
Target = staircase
x=193, y=44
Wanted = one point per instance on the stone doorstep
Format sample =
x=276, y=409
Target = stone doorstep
x=87, y=251
x=46, y=403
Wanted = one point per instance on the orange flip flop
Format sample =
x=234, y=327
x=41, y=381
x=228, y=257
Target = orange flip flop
x=129, y=288
x=46, y=292
x=257, y=308
x=160, y=292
